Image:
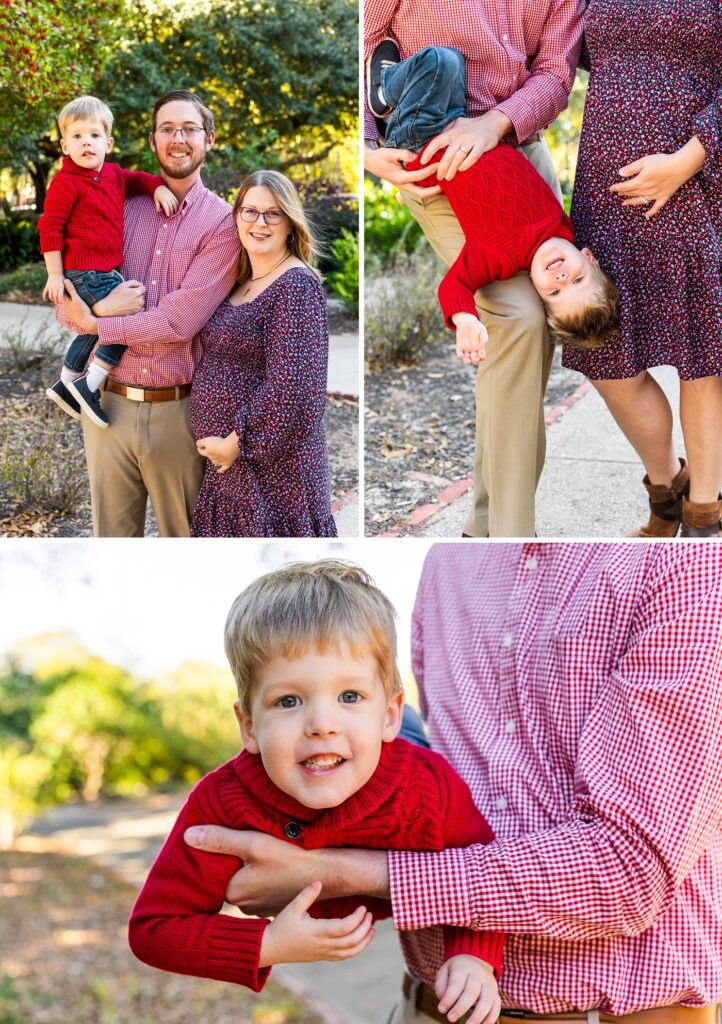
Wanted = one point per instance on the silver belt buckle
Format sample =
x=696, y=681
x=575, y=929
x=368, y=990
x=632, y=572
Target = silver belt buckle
x=135, y=394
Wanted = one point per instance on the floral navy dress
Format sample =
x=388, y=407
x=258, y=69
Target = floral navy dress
x=263, y=374
x=655, y=81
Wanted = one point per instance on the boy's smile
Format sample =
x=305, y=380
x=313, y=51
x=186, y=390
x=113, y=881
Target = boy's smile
x=87, y=144
x=565, y=277
x=318, y=722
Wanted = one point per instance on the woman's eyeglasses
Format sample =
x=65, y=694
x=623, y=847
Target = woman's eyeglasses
x=250, y=215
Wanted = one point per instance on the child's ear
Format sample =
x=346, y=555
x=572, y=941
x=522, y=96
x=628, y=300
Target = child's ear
x=246, y=724
x=109, y=143
x=590, y=256
x=392, y=722
x=63, y=146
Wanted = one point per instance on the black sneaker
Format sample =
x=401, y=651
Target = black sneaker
x=89, y=402
x=384, y=56
x=59, y=394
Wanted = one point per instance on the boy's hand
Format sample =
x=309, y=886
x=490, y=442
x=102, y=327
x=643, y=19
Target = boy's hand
x=294, y=937
x=55, y=288
x=471, y=338
x=221, y=451
x=466, y=981
x=165, y=200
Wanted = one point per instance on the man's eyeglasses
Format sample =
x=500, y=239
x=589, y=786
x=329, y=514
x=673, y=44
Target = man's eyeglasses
x=188, y=131
x=250, y=215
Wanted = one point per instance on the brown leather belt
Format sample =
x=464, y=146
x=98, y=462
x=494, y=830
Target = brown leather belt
x=425, y=1001
x=148, y=394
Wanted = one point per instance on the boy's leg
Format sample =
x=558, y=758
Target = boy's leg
x=510, y=383
x=426, y=92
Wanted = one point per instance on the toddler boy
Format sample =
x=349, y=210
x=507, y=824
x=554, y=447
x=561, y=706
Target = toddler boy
x=81, y=238
x=510, y=217
x=313, y=650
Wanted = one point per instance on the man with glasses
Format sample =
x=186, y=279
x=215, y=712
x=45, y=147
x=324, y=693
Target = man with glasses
x=178, y=270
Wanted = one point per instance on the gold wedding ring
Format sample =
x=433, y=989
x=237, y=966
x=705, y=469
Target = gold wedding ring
x=464, y=150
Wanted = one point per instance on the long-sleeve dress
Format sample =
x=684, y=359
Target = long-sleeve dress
x=655, y=81
x=263, y=374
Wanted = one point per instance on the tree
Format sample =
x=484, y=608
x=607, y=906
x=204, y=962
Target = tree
x=50, y=51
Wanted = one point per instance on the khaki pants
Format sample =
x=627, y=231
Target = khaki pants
x=147, y=451
x=510, y=383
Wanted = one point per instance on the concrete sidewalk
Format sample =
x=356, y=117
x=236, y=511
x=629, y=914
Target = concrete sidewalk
x=343, y=352
x=126, y=836
x=591, y=484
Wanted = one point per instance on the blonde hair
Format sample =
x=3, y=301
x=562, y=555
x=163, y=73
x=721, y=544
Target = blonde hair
x=85, y=108
x=307, y=605
x=302, y=242
x=591, y=326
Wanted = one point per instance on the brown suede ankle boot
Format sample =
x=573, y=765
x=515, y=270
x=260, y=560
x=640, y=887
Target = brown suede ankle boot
x=665, y=505
x=701, y=518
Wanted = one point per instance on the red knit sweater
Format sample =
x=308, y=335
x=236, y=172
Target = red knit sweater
x=506, y=210
x=414, y=801
x=83, y=215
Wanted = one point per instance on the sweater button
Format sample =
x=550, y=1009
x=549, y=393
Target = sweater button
x=292, y=830
x=96, y=178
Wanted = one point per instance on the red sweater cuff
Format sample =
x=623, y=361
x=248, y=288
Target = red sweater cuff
x=487, y=946
x=233, y=951
x=51, y=241
x=455, y=298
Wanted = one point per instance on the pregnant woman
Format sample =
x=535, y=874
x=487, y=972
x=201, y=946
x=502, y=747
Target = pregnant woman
x=648, y=203
x=259, y=393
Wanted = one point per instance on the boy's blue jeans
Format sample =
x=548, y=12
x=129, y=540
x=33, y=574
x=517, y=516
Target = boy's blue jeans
x=91, y=286
x=427, y=91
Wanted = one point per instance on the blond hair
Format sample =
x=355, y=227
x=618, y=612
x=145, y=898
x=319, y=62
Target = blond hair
x=301, y=242
x=307, y=605
x=591, y=326
x=85, y=108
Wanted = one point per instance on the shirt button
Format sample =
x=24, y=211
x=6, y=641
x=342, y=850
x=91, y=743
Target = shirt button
x=531, y=563
x=292, y=830
x=154, y=282
x=165, y=225
x=144, y=370
x=505, y=37
x=510, y=725
x=506, y=640
x=501, y=803
x=157, y=252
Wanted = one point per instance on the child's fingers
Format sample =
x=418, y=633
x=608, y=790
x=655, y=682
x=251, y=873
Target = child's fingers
x=442, y=980
x=348, y=952
x=483, y=1007
x=466, y=1000
x=338, y=927
x=359, y=933
x=305, y=899
x=455, y=987
x=492, y=1014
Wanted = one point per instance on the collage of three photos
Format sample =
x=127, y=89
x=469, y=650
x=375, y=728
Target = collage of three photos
x=412, y=311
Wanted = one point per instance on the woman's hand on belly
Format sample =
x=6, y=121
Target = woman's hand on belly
x=222, y=452
x=655, y=178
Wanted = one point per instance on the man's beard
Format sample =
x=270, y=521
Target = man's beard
x=178, y=173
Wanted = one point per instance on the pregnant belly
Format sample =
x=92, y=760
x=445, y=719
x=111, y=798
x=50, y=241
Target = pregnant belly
x=216, y=397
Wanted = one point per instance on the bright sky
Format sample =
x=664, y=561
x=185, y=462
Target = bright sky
x=150, y=605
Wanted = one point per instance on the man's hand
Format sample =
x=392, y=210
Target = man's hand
x=657, y=177
x=466, y=981
x=221, y=451
x=388, y=163
x=275, y=871
x=294, y=937
x=165, y=200
x=54, y=289
x=77, y=311
x=471, y=338
x=125, y=300
x=465, y=140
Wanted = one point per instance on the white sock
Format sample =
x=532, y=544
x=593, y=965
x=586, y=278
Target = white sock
x=96, y=375
x=67, y=375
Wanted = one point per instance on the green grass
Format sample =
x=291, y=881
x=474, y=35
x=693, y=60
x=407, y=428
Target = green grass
x=24, y=284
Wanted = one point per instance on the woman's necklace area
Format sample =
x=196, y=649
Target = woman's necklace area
x=268, y=272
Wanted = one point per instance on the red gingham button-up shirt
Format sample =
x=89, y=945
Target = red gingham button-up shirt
x=521, y=55
x=188, y=264
x=577, y=688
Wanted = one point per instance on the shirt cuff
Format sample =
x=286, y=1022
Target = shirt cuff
x=521, y=115
x=110, y=330
x=429, y=888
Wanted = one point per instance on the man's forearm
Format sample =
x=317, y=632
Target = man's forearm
x=354, y=873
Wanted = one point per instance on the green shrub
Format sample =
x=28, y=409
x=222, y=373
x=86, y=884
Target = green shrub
x=401, y=309
x=19, y=243
x=23, y=285
x=387, y=224
x=42, y=465
x=344, y=282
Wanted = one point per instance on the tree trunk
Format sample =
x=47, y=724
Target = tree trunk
x=39, y=175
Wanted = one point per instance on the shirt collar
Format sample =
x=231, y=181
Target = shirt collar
x=84, y=172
